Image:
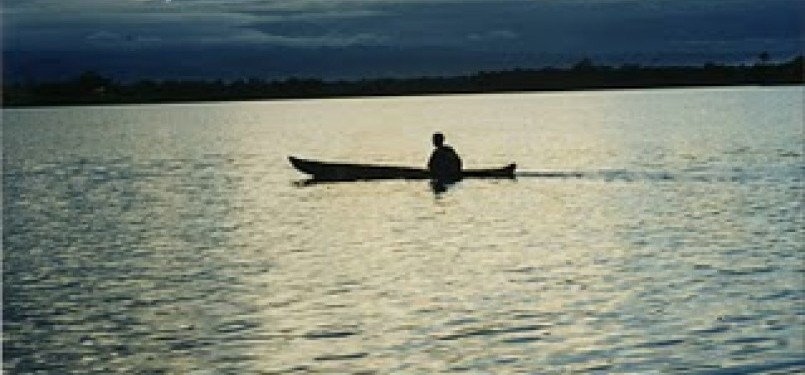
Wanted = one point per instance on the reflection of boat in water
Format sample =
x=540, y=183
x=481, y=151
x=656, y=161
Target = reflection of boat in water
x=328, y=171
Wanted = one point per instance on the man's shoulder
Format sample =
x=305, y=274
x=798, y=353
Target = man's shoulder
x=451, y=151
x=445, y=151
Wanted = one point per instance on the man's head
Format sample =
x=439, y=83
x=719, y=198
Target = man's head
x=438, y=139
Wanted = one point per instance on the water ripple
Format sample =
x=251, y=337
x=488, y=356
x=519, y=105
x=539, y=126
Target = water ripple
x=193, y=253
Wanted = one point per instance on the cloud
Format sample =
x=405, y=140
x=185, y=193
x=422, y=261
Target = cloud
x=548, y=24
x=52, y=25
x=255, y=37
x=108, y=38
x=392, y=35
x=494, y=35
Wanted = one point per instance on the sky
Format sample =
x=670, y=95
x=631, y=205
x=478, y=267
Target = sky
x=334, y=39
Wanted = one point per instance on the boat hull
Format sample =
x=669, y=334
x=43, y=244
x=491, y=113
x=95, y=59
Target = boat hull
x=328, y=171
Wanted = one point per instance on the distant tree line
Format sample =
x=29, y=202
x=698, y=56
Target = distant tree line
x=94, y=88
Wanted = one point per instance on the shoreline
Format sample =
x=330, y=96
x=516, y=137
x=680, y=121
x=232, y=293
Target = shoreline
x=93, y=89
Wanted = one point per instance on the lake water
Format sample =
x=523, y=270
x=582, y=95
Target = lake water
x=176, y=239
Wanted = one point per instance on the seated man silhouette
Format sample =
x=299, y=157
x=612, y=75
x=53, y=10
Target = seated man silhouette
x=444, y=164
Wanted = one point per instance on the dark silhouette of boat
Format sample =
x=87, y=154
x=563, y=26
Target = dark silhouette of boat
x=328, y=171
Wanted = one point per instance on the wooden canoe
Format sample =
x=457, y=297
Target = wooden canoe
x=329, y=171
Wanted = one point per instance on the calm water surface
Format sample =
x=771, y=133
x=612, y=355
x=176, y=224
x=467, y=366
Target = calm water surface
x=173, y=239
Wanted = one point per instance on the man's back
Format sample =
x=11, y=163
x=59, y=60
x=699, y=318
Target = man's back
x=445, y=164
